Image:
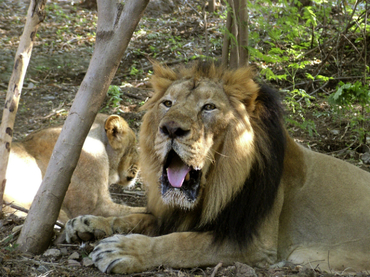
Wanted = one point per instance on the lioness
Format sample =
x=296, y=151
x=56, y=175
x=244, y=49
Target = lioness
x=108, y=156
x=226, y=183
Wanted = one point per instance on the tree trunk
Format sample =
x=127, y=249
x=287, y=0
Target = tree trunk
x=236, y=35
x=116, y=23
x=35, y=15
x=243, y=33
x=234, y=45
x=226, y=42
x=2, y=190
x=211, y=6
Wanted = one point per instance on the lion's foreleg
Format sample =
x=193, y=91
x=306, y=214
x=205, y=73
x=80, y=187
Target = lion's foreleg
x=87, y=227
x=135, y=223
x=136, y=253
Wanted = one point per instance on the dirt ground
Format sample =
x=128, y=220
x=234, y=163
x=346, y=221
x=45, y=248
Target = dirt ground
x=59, y=61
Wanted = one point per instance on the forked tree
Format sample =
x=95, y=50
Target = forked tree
x=116, y=24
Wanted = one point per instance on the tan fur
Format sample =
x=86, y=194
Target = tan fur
x=320, y=216
x=216, y=197
x=108, y=157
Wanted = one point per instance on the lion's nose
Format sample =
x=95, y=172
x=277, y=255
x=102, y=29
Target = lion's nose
x=173, y=130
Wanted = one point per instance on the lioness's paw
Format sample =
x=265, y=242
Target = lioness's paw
x=123, y=254
x=87, y=227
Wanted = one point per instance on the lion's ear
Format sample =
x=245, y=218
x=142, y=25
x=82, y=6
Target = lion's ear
x=239, y=84
x=116, y=129
x=162, y=78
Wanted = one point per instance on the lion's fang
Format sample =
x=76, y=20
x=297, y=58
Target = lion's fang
x=187, y=177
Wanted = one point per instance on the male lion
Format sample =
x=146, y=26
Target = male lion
x=226, y=183
x=108, y=157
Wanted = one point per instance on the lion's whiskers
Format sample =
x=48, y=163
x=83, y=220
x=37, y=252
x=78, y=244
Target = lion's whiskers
x=222, y=155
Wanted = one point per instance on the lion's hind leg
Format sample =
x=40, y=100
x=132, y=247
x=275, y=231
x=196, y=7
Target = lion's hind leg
x=331, y=259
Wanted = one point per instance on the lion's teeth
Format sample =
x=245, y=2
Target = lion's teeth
x=187, y=177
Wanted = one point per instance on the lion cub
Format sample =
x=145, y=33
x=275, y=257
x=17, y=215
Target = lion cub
x=108, y=156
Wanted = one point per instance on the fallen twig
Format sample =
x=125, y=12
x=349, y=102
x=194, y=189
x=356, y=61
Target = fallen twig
x=314, y=81
x=342, y=150
x=68, y=245
x=10, y=236
x=217, y=267
x=130, y=192
x=19, y=208
x=16, y=207
x=134, y=96
x=324, y=85
x=24, y=259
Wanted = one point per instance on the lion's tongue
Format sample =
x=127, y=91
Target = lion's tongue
x=177, y=171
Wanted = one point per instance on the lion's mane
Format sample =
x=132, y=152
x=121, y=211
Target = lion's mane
x=235, y=210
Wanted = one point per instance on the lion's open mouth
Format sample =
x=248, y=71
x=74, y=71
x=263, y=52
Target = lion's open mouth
x=180, y=177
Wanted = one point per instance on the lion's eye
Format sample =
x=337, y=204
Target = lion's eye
x=209, y=107
x=167, y=103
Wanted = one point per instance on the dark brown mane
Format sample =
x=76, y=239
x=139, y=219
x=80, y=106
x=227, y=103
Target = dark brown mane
x=240, y=220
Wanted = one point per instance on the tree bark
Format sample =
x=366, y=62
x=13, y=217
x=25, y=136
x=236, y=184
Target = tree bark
x=234, y=45
x=236, y=35
x=35, y=16
x=226, y=42
x=211, y=6
x=116, y=23
x=243, y=33
x=2, y=190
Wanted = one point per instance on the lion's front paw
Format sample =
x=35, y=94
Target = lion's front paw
x=87, y=227
x=123, y=254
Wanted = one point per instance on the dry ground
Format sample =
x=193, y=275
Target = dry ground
x=59, y=61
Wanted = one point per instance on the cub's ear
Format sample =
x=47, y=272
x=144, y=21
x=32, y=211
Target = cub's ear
x=239, y=84
x=117, y=130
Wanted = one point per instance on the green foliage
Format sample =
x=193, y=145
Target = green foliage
x=286, y=34
x=348, y=94
x=292, y=97
x=114, y=99
x=134, y=71
x=306, y=125
x=351, y=101
x=10, y=247
x=293, y=100
x=282, y=32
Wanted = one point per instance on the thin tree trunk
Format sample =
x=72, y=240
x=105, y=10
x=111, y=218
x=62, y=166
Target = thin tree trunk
x=35, y=16
x=205, y=32
x=2, y=190
x=211, y=6
x=226, y=42
x=234, y=51
x=236, y=35
x=116, y=23
x=243, y=33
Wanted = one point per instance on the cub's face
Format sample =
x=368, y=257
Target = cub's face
x=128, y=168
x=191, y=118
x=122, y=152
